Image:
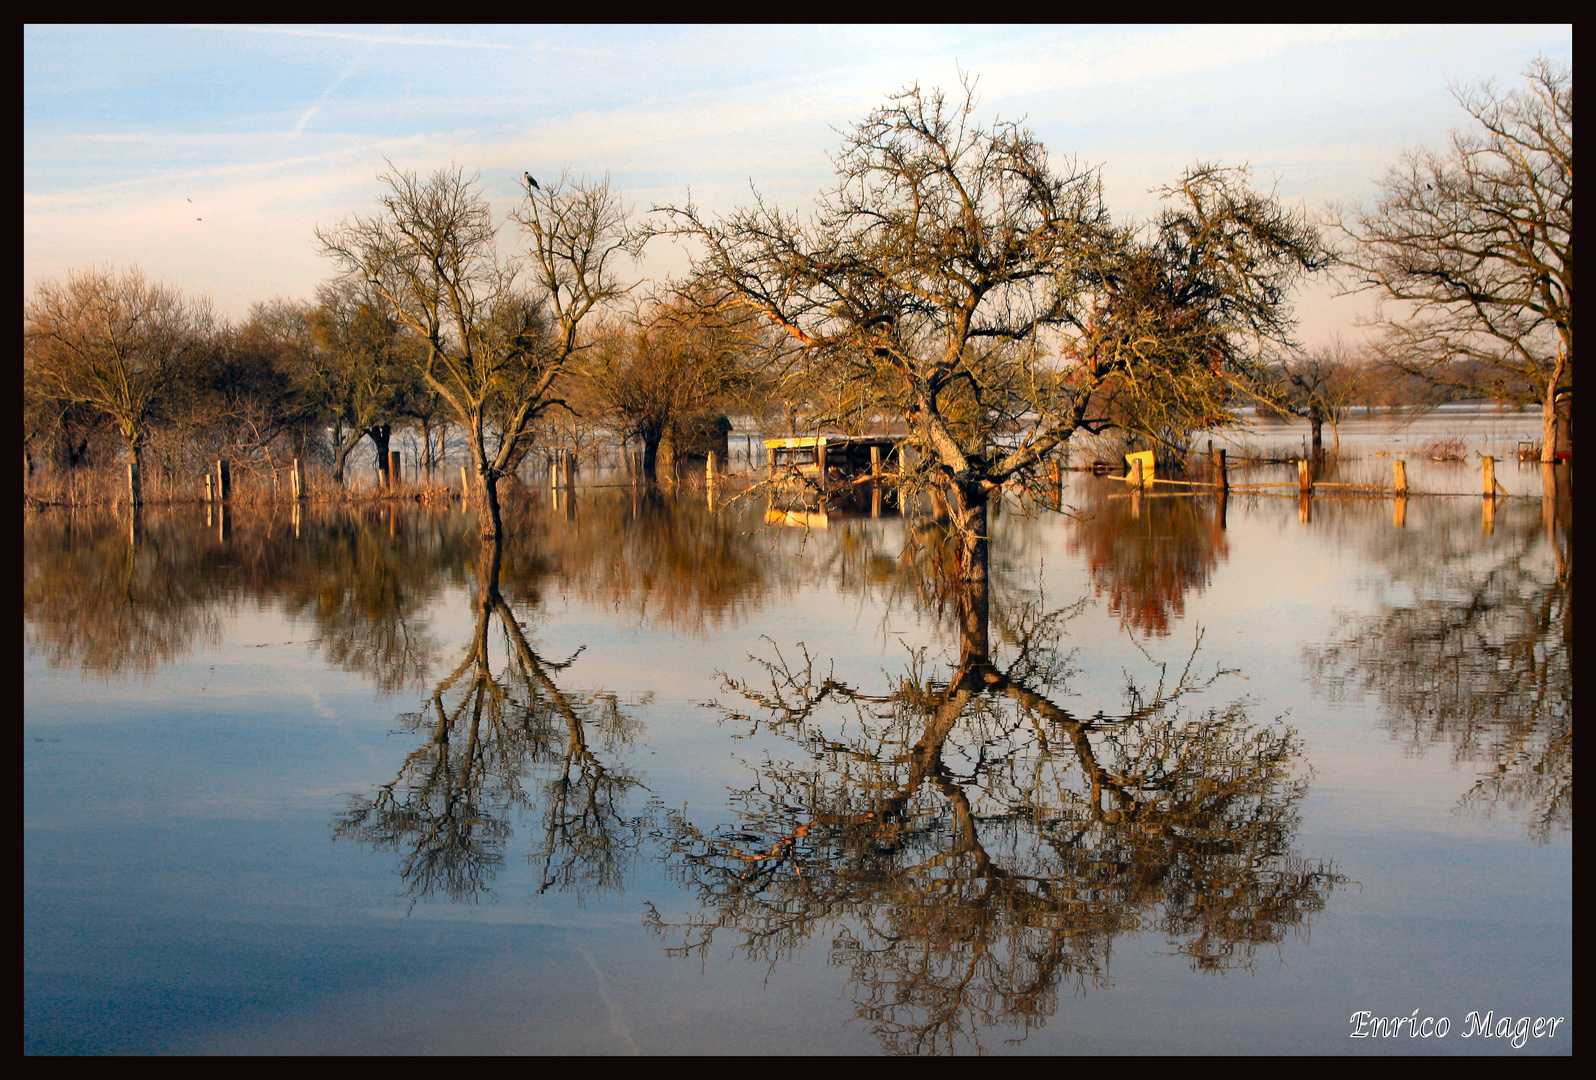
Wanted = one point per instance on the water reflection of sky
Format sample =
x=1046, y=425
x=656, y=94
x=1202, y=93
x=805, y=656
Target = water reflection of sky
x=181, y=893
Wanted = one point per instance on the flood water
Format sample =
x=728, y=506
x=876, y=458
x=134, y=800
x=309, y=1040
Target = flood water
x=1223, y=776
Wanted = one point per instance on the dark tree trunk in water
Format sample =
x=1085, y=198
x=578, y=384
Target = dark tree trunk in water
x=665, y=466
x=489, y=559
x=381, y=435
x=489, y=520
x=973, y=639
x=650, y=454
x=1549, y=410
x=970, y=511
x=135, y=479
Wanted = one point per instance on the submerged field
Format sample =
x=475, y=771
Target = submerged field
x=1231, y=774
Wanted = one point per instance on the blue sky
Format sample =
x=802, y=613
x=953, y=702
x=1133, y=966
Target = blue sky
x=206, y=155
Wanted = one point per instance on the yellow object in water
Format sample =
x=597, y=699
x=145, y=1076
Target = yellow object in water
x=1146, y=458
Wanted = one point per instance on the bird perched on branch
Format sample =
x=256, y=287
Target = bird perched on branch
x=531, y=183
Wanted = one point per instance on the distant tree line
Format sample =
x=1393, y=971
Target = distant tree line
x=122, y=369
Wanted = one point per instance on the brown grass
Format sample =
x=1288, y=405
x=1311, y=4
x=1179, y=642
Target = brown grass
x=108, y=487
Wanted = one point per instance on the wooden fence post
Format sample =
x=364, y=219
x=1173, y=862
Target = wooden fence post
x=709, y=468
x=1136, y=476
x=393, y=468
x=1488, y=476
x=210, y=494
x=224, y=479
x=875, y=463
x=1304, y=478
x=1399, y=476
x=1224, y=477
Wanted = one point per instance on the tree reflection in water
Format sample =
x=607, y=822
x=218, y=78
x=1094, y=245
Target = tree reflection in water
x=1480, y=659
x=113, y=597
x=970, y=847
x=490, y=736
x=1146, y=552
x=965, y=845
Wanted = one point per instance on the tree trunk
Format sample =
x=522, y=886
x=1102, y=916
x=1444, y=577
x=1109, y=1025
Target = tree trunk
x=342, y=448
x=381, y=436
x=135, y=479
x=489, y=520
x=490, y=558
x=973, y=610
x=970, y=519
x=651, y=439
x=427, y=458
x=665, y=459
x=1549, y=408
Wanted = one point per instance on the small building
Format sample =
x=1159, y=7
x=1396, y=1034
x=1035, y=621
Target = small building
x=834, y=457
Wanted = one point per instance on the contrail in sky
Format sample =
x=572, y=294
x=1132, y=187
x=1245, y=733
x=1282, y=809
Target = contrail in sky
x=375, y=39
x=316, y=108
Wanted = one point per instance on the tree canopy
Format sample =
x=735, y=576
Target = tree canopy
x=955, y=279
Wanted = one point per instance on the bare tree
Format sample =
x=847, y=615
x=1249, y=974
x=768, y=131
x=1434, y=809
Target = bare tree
x=116, y=343
x=1471, y=251
x=933, y=278
x=493, y=350
x=1321, y=385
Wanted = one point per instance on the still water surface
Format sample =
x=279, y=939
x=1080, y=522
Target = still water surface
x=682, y=781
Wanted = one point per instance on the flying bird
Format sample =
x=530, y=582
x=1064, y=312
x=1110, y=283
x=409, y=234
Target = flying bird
x=531, y=182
